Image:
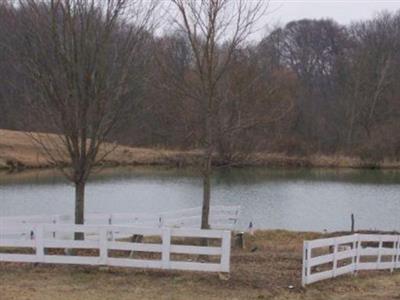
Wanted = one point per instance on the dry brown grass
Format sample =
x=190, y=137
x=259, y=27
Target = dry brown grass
x=17, y=147
x=263, y=274
x=18, y=150
x=320, y=161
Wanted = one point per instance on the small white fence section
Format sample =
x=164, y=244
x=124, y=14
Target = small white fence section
x=221, y=217
x=44, y=239
x=332, y=257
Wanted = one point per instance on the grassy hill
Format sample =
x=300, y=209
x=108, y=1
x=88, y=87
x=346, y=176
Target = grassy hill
x=18, y=151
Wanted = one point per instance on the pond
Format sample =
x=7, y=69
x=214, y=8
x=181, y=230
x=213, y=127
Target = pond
x=293, y=199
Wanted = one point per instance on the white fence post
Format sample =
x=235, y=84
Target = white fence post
x=355, y=249
x=335, y=250
x=359, y=249
x=394, y=255
x=103, y=246
x=226, y=251
x=397, y=265
x=378, y=261
x=110, y=235
x=54, y=221
x=166, y=248
x=161, y=221
x=309, y=252
x=305, y=272
x=38, y=235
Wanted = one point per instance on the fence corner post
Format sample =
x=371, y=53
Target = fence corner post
x=166, y=247
x=305, y=272
x=226, y=251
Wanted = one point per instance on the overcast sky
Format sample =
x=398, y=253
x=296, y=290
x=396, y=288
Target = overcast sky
x=343, y=11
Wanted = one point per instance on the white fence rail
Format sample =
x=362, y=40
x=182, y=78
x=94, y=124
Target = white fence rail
x=221, y=217
x=332, y=257
x=38, y=247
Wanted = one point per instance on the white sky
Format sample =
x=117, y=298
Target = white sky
x=344, y=12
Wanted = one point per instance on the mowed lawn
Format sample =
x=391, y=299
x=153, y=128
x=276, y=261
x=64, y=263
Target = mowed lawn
x=264, y=273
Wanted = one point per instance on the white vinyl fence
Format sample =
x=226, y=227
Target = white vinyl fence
x=332, y=257
x=167, y=252
x=221, y=217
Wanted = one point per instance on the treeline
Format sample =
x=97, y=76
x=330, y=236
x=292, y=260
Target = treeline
x=311, y=86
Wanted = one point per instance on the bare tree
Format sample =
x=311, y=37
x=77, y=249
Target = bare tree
x=373, y=71
x=215, y=29
x=313, y=49
x=252, y=100
x=80, y=57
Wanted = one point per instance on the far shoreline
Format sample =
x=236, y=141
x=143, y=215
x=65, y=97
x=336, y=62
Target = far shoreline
x=17, y=153
x=190, y=159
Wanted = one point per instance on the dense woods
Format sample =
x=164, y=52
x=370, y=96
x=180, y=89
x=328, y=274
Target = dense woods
x=310, y=86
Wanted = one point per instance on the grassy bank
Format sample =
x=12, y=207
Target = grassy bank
x=265, y=273
x=17, y=151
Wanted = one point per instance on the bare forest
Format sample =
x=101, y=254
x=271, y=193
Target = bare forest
x=310, y=86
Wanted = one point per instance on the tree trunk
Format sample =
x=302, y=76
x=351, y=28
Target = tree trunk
x=79, y=207
x=205, y=213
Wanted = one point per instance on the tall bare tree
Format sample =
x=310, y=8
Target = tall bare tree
x=215, y=29
x=80, y=57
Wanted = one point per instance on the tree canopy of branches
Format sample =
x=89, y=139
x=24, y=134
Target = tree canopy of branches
x=79, y=59
x=308, y=87
x=214, y=31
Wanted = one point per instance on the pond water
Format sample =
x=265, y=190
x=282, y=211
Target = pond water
x=296, y=199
